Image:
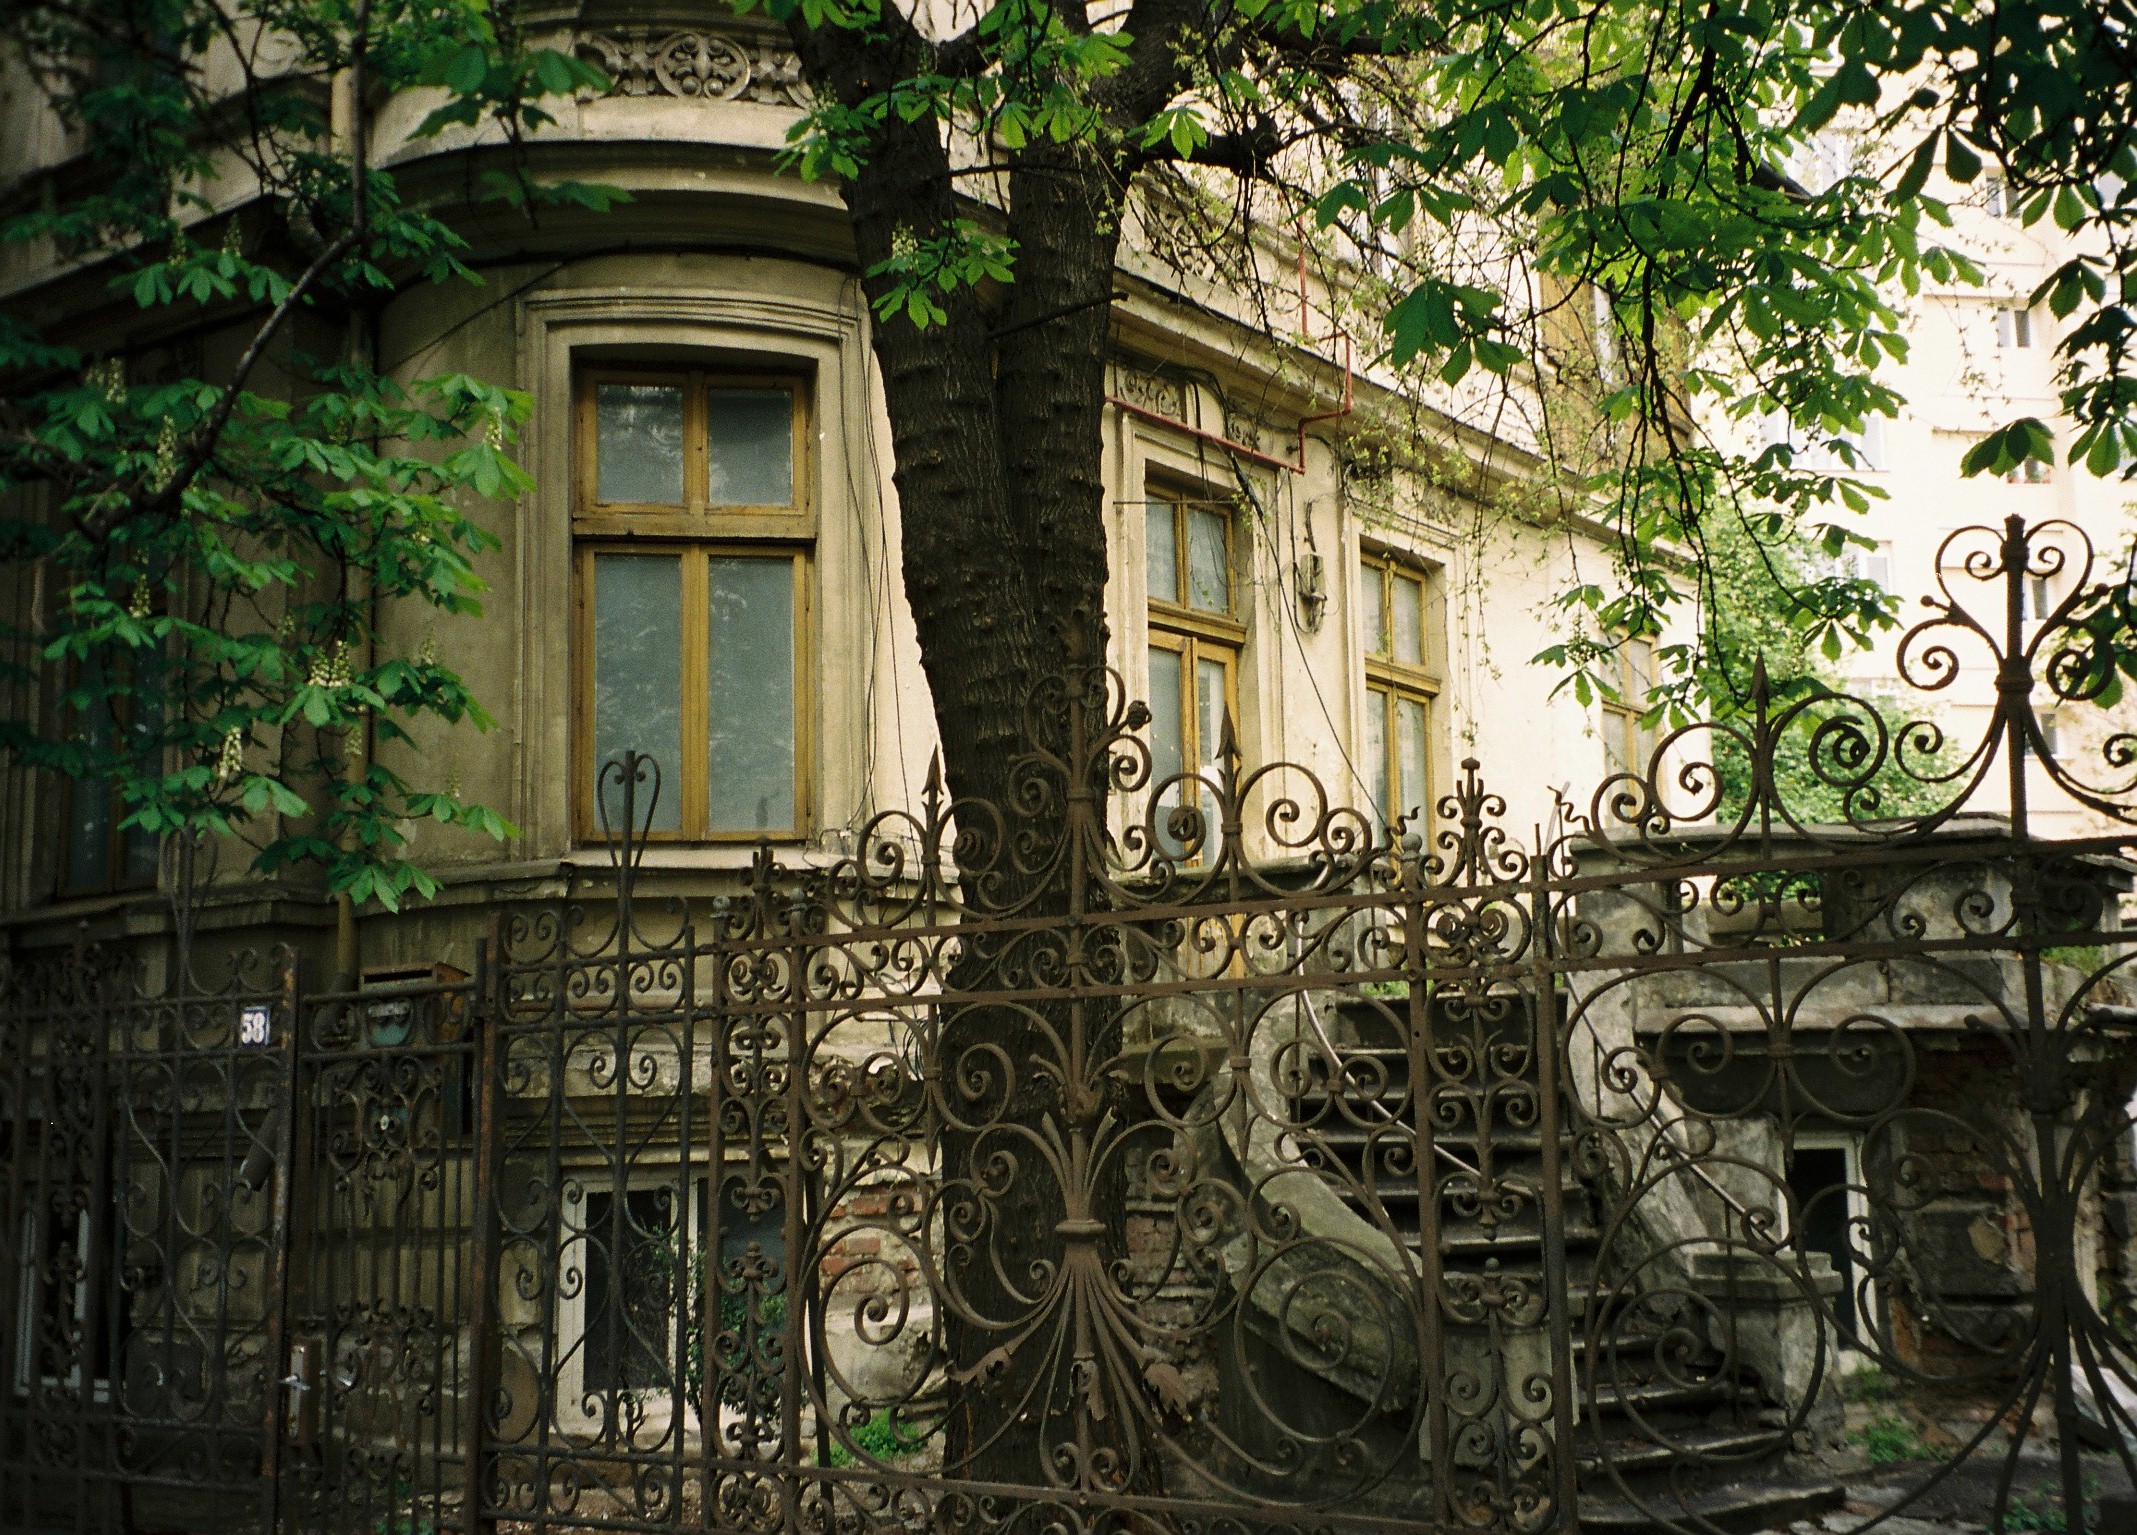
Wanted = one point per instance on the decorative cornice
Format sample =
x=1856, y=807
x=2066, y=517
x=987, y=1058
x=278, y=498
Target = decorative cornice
x=697, y=65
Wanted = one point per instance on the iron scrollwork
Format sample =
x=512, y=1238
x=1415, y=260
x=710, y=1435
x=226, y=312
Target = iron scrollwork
x=1190, y=1150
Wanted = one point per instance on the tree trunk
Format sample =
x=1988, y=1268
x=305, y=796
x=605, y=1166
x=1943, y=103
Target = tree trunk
x=998, y=464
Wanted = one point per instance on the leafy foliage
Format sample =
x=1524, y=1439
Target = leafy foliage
x=1643, y=173
x=210, y=553
x=1769, y=654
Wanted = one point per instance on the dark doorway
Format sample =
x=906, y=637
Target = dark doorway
x=1818, y=1183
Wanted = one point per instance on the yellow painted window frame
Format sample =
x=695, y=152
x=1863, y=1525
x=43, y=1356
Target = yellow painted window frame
x=1388, y=682
x=695, y=517
x=1173, y=605
x=1193, y=648
x=698, y=532
x=1628, y=745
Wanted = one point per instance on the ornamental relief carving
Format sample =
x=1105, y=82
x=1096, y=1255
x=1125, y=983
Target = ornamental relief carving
x=1152, y=391
x=706, y=66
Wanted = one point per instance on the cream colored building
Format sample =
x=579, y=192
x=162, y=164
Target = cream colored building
x=1979, y=358
x=708, y=566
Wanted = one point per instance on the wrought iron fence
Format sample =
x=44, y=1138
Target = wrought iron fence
x=1190, y=1155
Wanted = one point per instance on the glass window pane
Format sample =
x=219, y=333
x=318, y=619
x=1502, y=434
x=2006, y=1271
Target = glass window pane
x=1636, y=659
x=638, y=677
x=1410, y=740
x=1210, y=707
x=1168, y=737
x=139, y=849
x=139, y=858
x=1161, y=544
x=1372, y=623
x=89, y=800
x=638, y=448
x=749, y=441
x=1376, y=752
x=749, y=771
x=1209, y=578
x=1409, y=621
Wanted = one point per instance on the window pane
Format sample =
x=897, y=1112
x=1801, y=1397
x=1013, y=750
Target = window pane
x=1209, y=582
x=138, y=861
x=1637, y=678
x=1372, y=623
x=1410, y=740
x=89, y=800
x=638, y=676
x=749, y=768
x=139, y=849
x=1168, y=740
x=1409, y=621
x=638, y=430
x=1169, y=720
x=1376, y=753
x=631, y=1261
x=1161, y=543
x=1210, y=705
x=749, y=440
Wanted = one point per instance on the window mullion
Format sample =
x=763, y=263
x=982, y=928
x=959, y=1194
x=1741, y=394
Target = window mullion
x=1190, y=704
x=697, y=682
x=697, y=471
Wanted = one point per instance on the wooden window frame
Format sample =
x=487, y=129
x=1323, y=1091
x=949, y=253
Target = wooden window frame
x=115, y=879
x=695, y=517
x=1171, y=609
x=697, y=532
x=1197, y=634
x=1623, y=732
x=1388, y=682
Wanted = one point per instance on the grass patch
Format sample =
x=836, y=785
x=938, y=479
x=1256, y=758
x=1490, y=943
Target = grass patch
x=880, y=1438
x=1890, y=1440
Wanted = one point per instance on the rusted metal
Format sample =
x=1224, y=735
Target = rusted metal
x=1194, y=1155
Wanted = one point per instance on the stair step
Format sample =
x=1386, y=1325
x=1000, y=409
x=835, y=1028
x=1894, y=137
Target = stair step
x=1662, y=1396
x=1734, y=1508
x=1693, y=1448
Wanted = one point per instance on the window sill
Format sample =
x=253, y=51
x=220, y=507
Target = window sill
x=702, y=857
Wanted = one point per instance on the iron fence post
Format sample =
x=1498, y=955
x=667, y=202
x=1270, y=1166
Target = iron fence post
x=1557, y=1297
x=488, y=1014
x=273, y=1393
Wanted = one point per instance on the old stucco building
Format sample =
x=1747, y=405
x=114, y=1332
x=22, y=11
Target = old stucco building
x=711, y=462
x=707, y=571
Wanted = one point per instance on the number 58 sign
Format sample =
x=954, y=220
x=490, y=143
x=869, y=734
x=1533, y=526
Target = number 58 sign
x=255, y=1024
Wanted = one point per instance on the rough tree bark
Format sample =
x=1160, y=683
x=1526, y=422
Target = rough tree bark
x=996, y=424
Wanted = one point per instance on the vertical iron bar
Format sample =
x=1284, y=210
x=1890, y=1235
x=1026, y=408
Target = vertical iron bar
x=15, y=1027
x=1432, y=1374
x=486, y=1011
x=97, y=1269
x=285, y=1171
x=1558, y=1298
x=708, y=1328
x=794, y=1233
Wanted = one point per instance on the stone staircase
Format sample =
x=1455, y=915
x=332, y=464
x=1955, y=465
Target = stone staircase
x=1668, y=1428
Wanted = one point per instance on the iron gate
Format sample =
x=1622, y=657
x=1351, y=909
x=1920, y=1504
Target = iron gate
x=1188, y=1154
